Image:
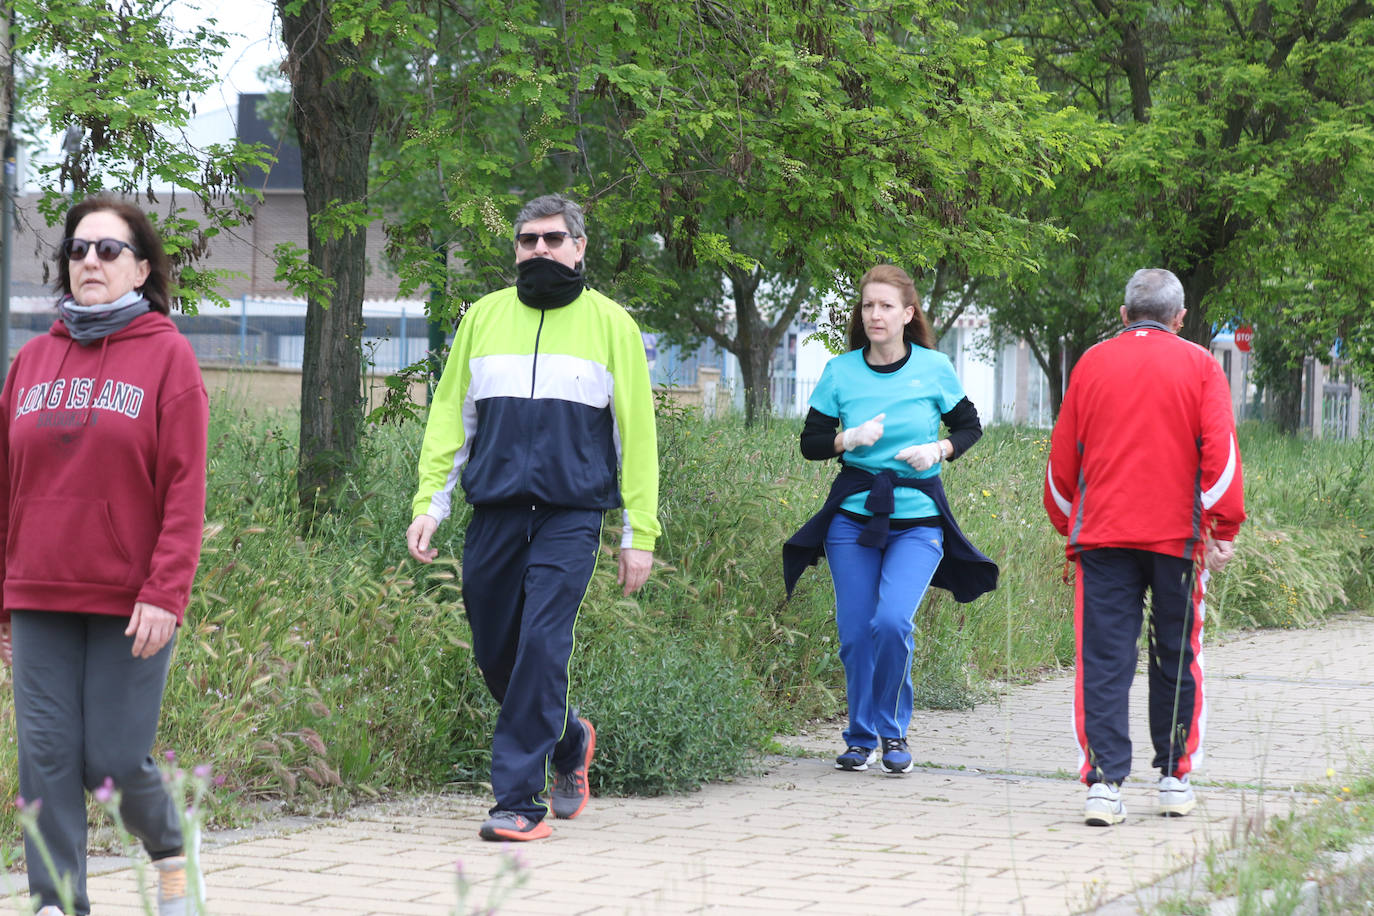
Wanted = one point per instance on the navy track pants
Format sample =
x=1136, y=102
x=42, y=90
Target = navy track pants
x=525, y=572
x=1108, y=610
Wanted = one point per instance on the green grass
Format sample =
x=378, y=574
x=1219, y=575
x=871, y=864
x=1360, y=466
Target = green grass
x=316, y=671
x=1263, y=867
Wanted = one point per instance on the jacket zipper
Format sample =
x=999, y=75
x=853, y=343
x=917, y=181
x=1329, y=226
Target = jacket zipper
x=534, y=364
x=534, y=373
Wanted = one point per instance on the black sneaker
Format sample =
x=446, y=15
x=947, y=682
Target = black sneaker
x=856, y=758
x=896, y=758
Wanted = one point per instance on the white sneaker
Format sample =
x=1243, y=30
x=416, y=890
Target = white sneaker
x=1175, y=796
x=1104, y=806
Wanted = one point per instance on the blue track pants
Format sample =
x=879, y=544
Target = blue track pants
x=877, y=590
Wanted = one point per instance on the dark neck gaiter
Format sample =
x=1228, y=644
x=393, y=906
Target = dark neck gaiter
x=544, y=283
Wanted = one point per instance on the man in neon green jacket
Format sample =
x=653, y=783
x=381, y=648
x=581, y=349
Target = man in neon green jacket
x=544, y=415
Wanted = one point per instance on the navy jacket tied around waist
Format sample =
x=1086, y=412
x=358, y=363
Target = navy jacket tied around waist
x=964, y=571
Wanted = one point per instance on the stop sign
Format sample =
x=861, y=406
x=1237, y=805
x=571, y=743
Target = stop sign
x=1243, y=335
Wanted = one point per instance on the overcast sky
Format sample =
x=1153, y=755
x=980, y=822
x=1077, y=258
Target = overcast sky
x=254, y=40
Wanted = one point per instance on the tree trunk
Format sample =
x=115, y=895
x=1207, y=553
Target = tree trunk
x=335, y=116
x=754, y=367
x=753, y=347
x=1287, y=398
x=1198, y=282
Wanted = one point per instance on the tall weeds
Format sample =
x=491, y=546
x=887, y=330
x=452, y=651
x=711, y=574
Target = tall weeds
x=314, y=671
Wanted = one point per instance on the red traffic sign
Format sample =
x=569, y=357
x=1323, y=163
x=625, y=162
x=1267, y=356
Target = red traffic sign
x=1244, y=334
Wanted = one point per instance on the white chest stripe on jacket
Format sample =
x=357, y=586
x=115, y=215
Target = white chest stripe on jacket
x=559, y=376
x=1228, y=473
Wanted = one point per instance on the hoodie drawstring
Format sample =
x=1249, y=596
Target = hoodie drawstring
x=99, y=373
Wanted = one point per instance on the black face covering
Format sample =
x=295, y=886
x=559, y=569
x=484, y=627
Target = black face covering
x=544, y=283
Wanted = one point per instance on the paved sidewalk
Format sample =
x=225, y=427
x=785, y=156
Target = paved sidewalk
x=990, y=824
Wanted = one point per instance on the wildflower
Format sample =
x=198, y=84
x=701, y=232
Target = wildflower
x=171, y=756
x=986, y=493
x=105, y=792
x=202, y=772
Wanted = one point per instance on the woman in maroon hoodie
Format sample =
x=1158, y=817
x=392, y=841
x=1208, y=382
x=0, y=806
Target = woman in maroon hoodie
x=102, y=503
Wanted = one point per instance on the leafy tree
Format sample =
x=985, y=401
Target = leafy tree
x=739, y=161
x=331, y=51
x=790, y=146
x=1244, y=162
x=115, y=84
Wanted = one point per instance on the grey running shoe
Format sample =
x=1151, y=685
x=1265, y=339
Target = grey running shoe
x=1175, y=796
x=856, y=758
x=507, y=825
x=1104, y=806
x=570, y=790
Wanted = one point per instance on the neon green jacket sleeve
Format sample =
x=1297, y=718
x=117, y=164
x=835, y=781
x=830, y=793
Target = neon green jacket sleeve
x=634, y=417
x=447, y=434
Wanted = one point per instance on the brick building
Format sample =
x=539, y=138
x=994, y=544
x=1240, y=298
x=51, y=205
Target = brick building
x=247, y=251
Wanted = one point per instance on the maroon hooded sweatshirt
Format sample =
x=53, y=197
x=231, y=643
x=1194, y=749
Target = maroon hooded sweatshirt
x=102, y=471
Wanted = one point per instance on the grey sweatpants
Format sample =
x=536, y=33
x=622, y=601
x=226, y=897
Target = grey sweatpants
x=86, y=709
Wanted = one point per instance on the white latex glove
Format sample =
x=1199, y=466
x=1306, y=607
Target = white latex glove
x=922, y=457
x=864, y=434
x=1218, y=554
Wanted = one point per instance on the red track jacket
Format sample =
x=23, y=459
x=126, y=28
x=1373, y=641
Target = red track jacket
x=1144, y=453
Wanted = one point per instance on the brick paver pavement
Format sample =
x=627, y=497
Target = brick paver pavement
x=990, y=823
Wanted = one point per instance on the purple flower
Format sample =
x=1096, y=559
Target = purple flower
x=105, y=792
x=171, y=756
x=202, y=772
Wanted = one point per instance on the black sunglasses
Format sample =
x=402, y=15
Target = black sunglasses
x=528, y=240
x=105, y=249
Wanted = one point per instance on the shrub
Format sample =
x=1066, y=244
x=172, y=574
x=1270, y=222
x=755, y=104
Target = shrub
x=312, y=671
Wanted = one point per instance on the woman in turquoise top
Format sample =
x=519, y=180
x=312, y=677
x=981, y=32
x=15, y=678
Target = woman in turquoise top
x=879, y=408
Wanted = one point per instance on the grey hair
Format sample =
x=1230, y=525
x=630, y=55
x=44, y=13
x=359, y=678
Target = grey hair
x=553, y=205
x=1153, y=294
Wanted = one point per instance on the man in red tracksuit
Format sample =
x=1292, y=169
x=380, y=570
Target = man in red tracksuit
x=1144, y=480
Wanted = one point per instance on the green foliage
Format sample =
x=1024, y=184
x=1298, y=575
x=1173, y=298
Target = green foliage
x=1309, y=543
x=123, y=81
x=738, y=161
x=1244, y=161
x=1273, y=864
x=675, y=713
x=316, y=671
